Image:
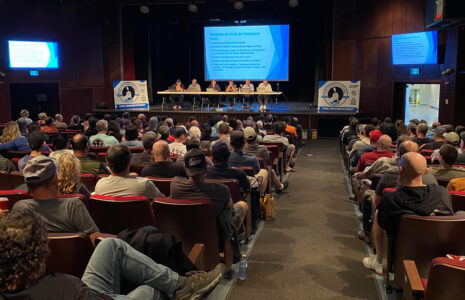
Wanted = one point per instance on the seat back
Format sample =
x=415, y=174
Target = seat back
x=137, y=168
x=102, y=156
x=163, y=184
x=232, y=184
x=248, y=170
x=136, y=149
x=14, y=153
x=191, y=221
x=98, y=149
x=446, y=279
x=458, y=200
x=16, y=179
x=115, y=214
x=423, y=238
x=14, y=196
x=426, y=152
x=443, y=182
x=69, y=253
x=80, y=196
x=89, y=180
x=5, y=183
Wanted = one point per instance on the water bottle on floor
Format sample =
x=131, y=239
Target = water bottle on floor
x=243, y=268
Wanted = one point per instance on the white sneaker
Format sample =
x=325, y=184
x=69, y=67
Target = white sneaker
x=372, y=264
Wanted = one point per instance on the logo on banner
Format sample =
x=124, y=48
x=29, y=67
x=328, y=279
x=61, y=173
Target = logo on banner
x=127, y=92
x=335, y=94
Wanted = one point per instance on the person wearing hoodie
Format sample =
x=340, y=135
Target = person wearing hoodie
x=412, y=197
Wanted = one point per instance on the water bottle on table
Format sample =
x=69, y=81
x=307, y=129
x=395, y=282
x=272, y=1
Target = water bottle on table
x=243, y=268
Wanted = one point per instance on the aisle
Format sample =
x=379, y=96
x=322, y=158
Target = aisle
x=310, y=251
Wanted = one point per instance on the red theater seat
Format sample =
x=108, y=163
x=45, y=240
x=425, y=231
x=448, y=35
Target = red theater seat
x=89, y=180
x=14, y=196
x=16, y=179
x=5, y=183
x=80, y=196
x=163, y=184
x=458, y=200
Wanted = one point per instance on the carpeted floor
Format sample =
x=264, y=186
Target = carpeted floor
x=310, y=251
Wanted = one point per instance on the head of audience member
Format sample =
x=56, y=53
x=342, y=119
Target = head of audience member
x=164, y=132
x=126, y=115
x=367, y=129
x=36, y=142
x=148, y=140
x=389, y=129
x=220, y=153
x=142, y=117
x=439, y=133
x=240, y=126
x=180, y=134
x=33, y=127
x=414, y=121
x=412, y=129
x=237, y=140
x=462, y=140
x=250, y=135
x=213, y=83
x=223, y=129
x=374, y=122
x=24, y=113
x=447, y=155
x=160, y=151
x=59, y=117
x=260, y=124
x=412, y=168
x=449, y=127
x=359, y=130
x=435, y=125
x=192, y=143
x=269, y=119
x=68, y=173
x=452, y=138
x=60, y=142
x=130, y=134
x=10, y=132
x=102, y=126
x=106, y=117
x=422, y=130
x=194, y=123
x=80, y=145
x=42, y=116
x=169, y=122
x=23, y=250
x=49, y=122
x=138, y=124
x=195, y=165
x=384, y=143
x=75, y=120
x=118, y=159
x=233, y=124
x=353, y=124
x=459, y=129
x=406, y=146
x=153, y=123
x=40, y=175
x=87, y=117
x=374, y=137
x=194, y=131
x=279, y=128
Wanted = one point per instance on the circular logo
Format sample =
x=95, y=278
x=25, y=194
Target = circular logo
x=335, y=94
x=127, y=92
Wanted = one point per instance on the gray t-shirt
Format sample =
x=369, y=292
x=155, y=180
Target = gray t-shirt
x=133, y=144
x=61, y=215
x=257, y=150
x=276, y=138
x=126, y=186
x=226, y=140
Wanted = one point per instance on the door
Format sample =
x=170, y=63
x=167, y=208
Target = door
x=35, y=97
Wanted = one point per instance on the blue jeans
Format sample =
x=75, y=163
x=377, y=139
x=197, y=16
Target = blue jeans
x=114, y=260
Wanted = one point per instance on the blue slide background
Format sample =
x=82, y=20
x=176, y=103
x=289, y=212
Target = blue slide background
x=415, y=48
x=28, y=54
x=247, y=52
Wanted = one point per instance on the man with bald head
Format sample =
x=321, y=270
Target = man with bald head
x=412, y=197
x=382, y=150
x=80, y=146
x=162, y=166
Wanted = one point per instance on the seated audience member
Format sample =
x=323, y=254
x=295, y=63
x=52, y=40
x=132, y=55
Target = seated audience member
x=101, y=138
x=139, y=127
x=130, y=135
x=193, y=143
x=6, y=165
x=36, y=141
x=374, y=137
x=68, y=175
x=194, y=187
x=364, y=139
x=120, y=183
x=412, y=130
x=430, y=134
x=195, y=132
x=80, y=147
x=358, y=131
x=61, y=146
x=49, y=126
x=164, y=132
x=268, y=122
x=24, y=252
x=412, y=197
x=75, y=123
x=153, y=124
x=205, y=138
x=382, y=150
x=223, y=130
x=148, y=139
x=350, y=133
x=177, y=147
x=278, y=136
x=142, y=118
x=461, y=156
x=92, y=128
x=388, y=128
x=12, y=139
x=24, y=116
x=162, y=166
x=22, y=125
x=114, y=130
x=289, y=128
x=438, y=139
x=447, y=157
x=450, y=138
x=261, y=130
x=220, y=170
x=42, y=118
x=59, y=215
x=59, y=124
x=402, y=129
x=253, y=147
x=421, y=138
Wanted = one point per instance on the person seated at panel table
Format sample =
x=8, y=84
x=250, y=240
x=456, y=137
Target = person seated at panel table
x=231, y=88
x=194, y=87
x=247, y=87
x=217, y=88
x=176, y=99
x=263, y=99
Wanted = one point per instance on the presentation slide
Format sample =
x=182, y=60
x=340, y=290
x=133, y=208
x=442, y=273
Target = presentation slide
x=24, y=54
x=415, y=48
x=247, y=52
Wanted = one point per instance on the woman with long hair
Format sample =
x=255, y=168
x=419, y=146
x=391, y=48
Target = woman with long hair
x=12, y=139
x=68, y=176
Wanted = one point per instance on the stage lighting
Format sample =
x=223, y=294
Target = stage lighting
x=192, y=8
x=144, y=9
x=293, y=3
x=238, y=5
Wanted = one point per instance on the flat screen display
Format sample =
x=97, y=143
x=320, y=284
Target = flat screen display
x=28, y=54
x=247, y=52
x=415, y=48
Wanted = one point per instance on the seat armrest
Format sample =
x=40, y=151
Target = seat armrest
x=196, y=255
x=413, y=286
x=101, y=236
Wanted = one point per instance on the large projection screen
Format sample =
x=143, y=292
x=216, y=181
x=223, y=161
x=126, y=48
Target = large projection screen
x=247, y=52
x=31, y=54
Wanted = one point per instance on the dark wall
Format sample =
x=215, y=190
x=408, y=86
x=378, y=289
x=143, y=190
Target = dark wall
x=88, y=50
x=362, y=51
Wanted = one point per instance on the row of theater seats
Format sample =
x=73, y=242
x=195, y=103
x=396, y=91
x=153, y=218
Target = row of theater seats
x=418, y=257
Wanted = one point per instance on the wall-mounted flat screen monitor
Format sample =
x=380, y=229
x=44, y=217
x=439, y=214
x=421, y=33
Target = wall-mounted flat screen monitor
x=247, y=52
x=32, y=54
x=415, y=48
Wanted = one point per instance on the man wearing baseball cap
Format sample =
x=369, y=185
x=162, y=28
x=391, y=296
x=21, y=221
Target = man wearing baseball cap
x=450, y=138
x=438, y=139
x=59, y=215
x=374, y=137
x=194, y=187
